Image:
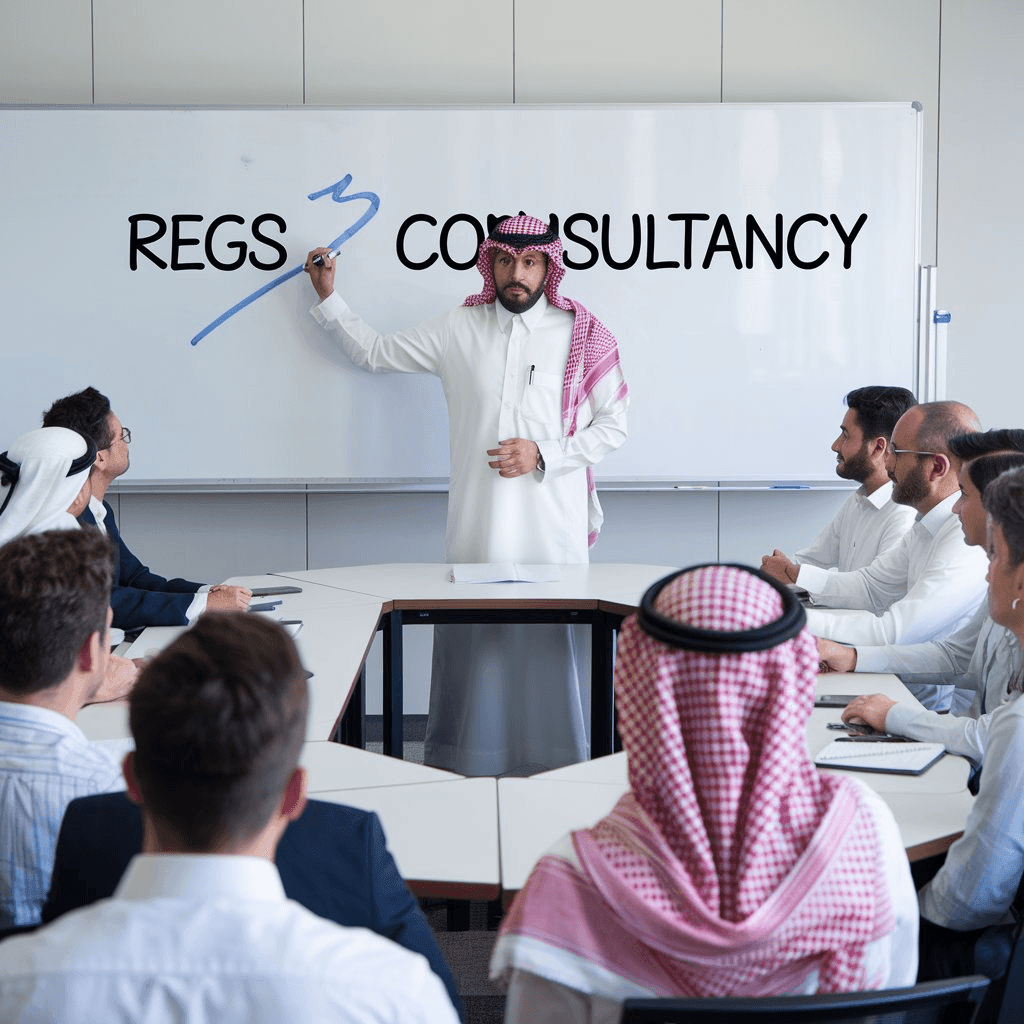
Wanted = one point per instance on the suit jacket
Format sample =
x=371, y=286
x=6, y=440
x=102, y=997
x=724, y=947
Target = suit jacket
x=140, y=597
x=333, y=860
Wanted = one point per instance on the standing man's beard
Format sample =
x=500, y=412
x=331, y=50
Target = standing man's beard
x=523, y=299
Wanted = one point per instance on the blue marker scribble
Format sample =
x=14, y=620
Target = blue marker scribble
x=336, y=192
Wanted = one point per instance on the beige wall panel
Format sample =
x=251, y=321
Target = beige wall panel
x=46, y=51
x=799, y=50
x=214, y=52
x=209, y=537
x=393, y=52
x=602, y=51
x=753, y=523
x=981, y=211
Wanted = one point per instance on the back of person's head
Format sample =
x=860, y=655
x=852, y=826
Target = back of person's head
x=942, y=421
x=44, y=478
x=87, y=412
x=985, y=469
x=714, y=684
x=1004, y=502
x=974, y=444
x=879, y=407
x=54, y=594
x=218, y=718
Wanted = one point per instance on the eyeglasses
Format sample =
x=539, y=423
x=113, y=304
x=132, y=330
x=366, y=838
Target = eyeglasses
x=126, y=436
x=907, y=451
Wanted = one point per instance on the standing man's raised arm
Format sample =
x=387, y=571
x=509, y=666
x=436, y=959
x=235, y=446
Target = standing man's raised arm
x=413, y=350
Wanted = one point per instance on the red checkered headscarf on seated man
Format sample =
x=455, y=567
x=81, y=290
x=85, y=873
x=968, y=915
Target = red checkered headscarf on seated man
x=593, y=352
x=733, y=866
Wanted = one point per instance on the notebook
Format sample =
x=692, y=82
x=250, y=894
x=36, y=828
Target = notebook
x=892, y=758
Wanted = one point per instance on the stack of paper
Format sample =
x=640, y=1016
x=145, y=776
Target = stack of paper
x=505, y=572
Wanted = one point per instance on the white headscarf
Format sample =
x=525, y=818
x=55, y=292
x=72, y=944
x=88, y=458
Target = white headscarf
x=49, y=467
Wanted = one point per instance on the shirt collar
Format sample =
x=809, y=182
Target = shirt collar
x=41, y=718
x=198, y=876
x=99, y=513
x=532, y=317
x=879, y=496
x=933, y=519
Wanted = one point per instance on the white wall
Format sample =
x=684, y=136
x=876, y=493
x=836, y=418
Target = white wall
x=958, y=57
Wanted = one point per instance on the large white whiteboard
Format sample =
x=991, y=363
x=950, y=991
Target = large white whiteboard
x=735, y=374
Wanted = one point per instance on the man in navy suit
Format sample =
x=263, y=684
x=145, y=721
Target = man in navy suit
x=333, y=860
x=140, y=598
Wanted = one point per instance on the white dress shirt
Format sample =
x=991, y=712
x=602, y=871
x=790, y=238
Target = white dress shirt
x=976, y=885
x=927, y=586
x=45, y=763
x=866, y=526
x=191, y=939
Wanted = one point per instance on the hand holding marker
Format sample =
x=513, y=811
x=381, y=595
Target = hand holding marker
x=318, y=261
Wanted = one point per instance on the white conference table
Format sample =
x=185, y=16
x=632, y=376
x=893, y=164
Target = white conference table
x=534, y=813
x=442, y=828
x=337, y=630
x=471, y=838
x=598, y=594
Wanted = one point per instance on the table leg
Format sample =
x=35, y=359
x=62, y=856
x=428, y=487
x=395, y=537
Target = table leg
x=602, y=701
x=350, y=728
x=393, y=701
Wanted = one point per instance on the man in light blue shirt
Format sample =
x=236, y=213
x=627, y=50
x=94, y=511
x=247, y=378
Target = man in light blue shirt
x=54, y=620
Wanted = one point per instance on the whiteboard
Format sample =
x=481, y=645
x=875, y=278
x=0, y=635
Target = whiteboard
x=735, y=373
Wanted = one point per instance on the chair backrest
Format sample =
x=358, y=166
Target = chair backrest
x=952, y=1001
x=1003, y=1006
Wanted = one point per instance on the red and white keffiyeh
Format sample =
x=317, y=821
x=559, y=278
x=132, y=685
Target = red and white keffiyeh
x=733, y=866
x=593, y=351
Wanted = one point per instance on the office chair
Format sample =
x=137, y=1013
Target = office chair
x=952, y=1001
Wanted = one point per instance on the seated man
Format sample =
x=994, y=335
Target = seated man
x=44, y=482
x=869, y=522
x=980, y=659
x=931, y=583
x=140, y=597
x=733, y=865
x=54, y=620
x=976, y=885
x=200, y=927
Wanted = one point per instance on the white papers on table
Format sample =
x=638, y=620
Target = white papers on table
x=504, y=572
x=892, y=758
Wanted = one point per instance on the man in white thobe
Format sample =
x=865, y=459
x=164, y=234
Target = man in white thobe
x=535, y=398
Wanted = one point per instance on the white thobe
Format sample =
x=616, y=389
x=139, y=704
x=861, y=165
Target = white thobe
x=492, y=710
x=926, y=587
x=866, y=525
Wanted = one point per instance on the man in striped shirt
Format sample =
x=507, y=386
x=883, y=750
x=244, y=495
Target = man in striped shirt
x=55, y=621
